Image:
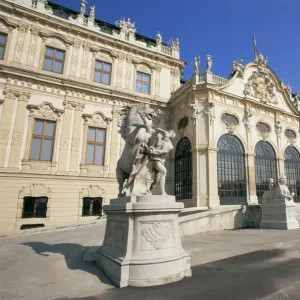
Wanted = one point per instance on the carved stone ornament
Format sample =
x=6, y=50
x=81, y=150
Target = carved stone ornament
x=278, y=128
x=45, y=110
x=35, y=190
x=157, y=234
x=237, y=66
x=97, y=118
x=261, y=86
x=210, y=111
x=196, y=113
x=247, y=118
x=92, y=191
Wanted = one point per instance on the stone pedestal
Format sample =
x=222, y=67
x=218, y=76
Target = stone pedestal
x=142, y=245
x=276, y=215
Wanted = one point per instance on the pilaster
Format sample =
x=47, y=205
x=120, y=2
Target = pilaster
x=5, y=123
x=250, y=169
x=65, y=138
x=75, y=145
x=18, y=133
x=114, y=145
x=213, y=197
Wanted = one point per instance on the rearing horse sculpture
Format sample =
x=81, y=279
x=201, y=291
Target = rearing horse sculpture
x=136, y=129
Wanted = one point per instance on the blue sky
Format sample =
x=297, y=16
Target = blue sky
x=222, y=28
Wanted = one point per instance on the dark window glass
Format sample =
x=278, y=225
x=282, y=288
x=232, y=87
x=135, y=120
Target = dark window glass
x=292, y=170
x=143, y=83
x=183, y=170
x=35, y=207
x=265, y=167
x=95, y=146
x=42, y=140
x=102, y=72
x=54, y=60
x=290, y=134
x=263, y=127
x=3, y=40
x=92, y=206
x=229, y=119
x=231, y=171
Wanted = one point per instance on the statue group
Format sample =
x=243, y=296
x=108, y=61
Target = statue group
x=144, y=154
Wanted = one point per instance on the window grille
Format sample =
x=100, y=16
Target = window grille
x=92, y=206
x=183, y=170
x=231, y=171
x=34, y=207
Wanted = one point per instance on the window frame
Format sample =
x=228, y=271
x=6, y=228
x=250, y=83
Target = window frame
x=42, y=137
x=95, y=143
x=91, y=206
x=143, y=82
x=54, y=59
x=102, y=71
x=34, y=216
x=4, y=45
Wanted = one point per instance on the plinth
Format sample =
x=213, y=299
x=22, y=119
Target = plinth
x=142, y=245
x=278, y=215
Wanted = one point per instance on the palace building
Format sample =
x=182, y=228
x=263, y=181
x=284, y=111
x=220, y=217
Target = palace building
x=64, y=78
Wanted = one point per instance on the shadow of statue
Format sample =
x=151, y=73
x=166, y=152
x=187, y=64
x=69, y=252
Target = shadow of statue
x=73, y=254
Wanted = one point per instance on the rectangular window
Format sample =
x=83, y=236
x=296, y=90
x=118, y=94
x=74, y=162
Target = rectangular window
x=143, y=83
x=3, y=40
x=34, y=207
x=42, y=140
x=102, y=72
x=92, y=206
x=54, y=60
x=95, y=146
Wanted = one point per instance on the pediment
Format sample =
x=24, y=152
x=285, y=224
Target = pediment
x=260, y=84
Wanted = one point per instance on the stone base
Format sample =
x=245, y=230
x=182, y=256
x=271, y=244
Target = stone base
x=279, y=216
x=142, y=245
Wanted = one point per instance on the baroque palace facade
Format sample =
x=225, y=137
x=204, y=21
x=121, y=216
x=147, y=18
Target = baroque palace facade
x=64, y=78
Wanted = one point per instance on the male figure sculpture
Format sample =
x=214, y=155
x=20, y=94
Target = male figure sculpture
x=158, y=153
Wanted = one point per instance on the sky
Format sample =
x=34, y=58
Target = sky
x=222, y=28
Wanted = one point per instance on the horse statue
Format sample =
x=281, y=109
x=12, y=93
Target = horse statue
x=136, y=130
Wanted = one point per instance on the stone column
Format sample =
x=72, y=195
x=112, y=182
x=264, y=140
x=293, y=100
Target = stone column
x=65, y=138
x=5, y=124
x=75, y=145
x=213, y=197
x=251, y=186
x=114, y=141
x=18, y=133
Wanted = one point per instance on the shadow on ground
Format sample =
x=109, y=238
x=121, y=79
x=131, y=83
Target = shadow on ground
x=250, y=276
x=73, y=254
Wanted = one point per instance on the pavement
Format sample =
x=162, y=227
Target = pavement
x=246, y=264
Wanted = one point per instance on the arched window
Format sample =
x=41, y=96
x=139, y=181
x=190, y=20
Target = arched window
x=231, y=170
x=183, y=170
x=292, y=170
x=265, y=166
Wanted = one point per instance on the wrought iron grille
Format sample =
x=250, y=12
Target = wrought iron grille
x=265, y=167
x=292, y=170
x=35, y=207
x=231, y=171
x=183, y=170
x=92, y=206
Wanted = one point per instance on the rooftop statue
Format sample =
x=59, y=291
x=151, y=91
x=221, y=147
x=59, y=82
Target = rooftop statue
x=175, y=44
x=237, y=66
x=126, y=26
x=208, y=63
x=83, y=7
x=159, y=38
x=261, y=60
x=92, y=12
x=196, y=64
x=144, y=153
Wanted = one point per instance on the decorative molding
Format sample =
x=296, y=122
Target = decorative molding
x=69, y=104
x=46, y=110
x=92, y=191
x=104, y=54
x=157, y=234
x=96, y=119
x=278, y=128
x=247, y=119
x=35, y=190
x=196, y=113
x=210, y=111
x=7, y=25
x=56, y=40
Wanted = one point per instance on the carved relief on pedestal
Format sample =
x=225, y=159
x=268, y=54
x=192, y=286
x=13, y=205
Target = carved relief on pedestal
x=157, y=234
x=261, y=86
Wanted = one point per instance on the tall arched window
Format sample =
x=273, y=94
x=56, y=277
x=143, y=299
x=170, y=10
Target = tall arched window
x=292, y=170
x=231, y=170
x=265, y=166
x=183, y=170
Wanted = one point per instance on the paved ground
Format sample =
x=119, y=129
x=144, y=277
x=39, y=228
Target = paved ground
x=227, y=265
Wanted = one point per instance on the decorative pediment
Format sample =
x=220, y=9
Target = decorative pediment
x=55, y=40
x=144, y=66
x=104, y=54
x=97, y=119
x=260, y=85
x=7, y=25
x=92, y=191
x=46, y=110
x=35, y=190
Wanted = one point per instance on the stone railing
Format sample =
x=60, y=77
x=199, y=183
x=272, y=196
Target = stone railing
x=219, y=80
x=166, y=50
